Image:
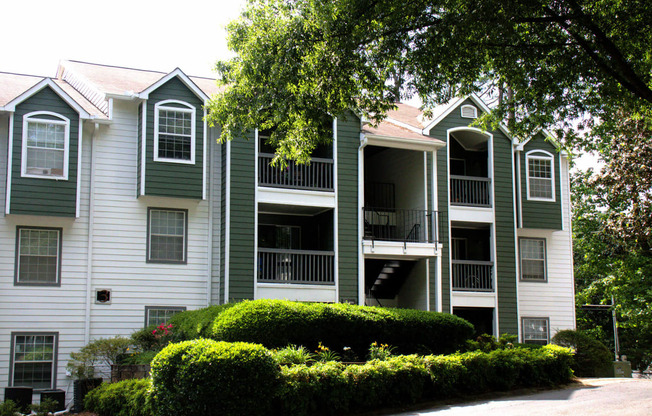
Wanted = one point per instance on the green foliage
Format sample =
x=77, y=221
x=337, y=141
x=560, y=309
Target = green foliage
x=102, y=351
x=332, y=388
x=486, y=342
x=292, y=355
x=213, y=378
x=380, y=351
x=189, y=325
x=45, y=407
x=325, y=354
x=276, y=323
x=138, y=358
x=296, y=61
x=123, y=398
x=611, y=247
x=592, y=358
x=9, y=408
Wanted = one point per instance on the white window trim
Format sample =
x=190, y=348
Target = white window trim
x=545, y=260
x=31, y=117
x=467, y=107
x=161, y=105
x=545, y=318
x=57, y=281
x=542, y=155
x=55, y=352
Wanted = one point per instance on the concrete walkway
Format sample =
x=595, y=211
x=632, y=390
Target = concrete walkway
x=591, y=397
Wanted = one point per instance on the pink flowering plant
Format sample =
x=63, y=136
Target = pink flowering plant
x=162, y=330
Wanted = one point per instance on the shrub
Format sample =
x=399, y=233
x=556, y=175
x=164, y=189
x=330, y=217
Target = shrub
x=213, y=378
x=276, y=323
x=9, y=408
x=592, y=358
x=103, y=351
x=122, y=398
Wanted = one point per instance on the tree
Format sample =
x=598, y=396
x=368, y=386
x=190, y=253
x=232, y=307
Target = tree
x=299, y=62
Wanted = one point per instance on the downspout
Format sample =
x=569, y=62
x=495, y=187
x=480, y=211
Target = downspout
x=91, y=219
x=361, y=271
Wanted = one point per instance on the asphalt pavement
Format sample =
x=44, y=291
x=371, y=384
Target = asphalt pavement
x=591, y=397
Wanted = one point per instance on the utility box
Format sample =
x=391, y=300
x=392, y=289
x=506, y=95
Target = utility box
x=22, y=396
x=622, y=369
x=58, y=396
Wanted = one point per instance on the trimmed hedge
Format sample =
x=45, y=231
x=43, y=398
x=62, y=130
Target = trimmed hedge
x=333, y=389
x=277, y=323
x=124, y=398
x=592, y=358
x=205, y=377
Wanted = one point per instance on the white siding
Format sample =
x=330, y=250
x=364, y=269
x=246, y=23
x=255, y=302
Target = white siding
x=555, y=298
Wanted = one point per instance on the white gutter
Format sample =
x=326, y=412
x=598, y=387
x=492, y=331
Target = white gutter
x=361, y=271
x=91, y=219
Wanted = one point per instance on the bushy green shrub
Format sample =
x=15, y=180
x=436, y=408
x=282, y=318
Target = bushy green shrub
x=205, y=377
x=122, y=398
x=102, y=351
x=333, y=388
x=592, y=358
x=8, y=408
x=276, y=323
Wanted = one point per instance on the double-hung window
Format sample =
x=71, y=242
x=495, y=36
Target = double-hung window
x=45, y=145
x=38, y=256
x=33, y=359
x=174, y=132
x=167, y=235
x=533, y=259
x=540, y=176
x=536, y=330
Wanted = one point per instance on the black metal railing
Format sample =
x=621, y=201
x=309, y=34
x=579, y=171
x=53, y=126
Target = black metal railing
x=296, y=266
x=404, y=225
x=470, y=191
x=317, y=176
x=473, y=275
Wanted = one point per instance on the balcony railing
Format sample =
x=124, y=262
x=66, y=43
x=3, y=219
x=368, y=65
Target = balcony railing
x=473, y=275
x=296, y=266
x=317, y=176
x=404, y=225
x=470, y=191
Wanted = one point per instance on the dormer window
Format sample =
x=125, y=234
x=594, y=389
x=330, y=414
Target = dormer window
x=174, y=132
x=540, y=168
x=469, y=111
x=45, y=145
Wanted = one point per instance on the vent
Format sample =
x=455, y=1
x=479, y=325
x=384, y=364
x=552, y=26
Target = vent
x=103, y=296
x=469, y=111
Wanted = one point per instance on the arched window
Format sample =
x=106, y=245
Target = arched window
x=540, y=173
x=174, y=132
x=46, y=145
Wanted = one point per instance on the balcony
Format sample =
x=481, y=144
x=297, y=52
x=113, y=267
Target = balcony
x=296, y=266
x=472, y=275
x=402, y=225
x=316, y=176
x=470, y=191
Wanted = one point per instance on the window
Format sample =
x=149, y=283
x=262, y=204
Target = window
x=535, y=331
x=38, y=256
x=33, y=359
x=174, y=135
x=540, y=177
x=45, y=145
x=469, y=111
x=533, y=259
x=167, y=235
x=157, y=315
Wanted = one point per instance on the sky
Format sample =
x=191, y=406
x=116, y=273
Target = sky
x=157, y=35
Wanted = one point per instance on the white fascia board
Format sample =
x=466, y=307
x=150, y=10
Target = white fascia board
x=47, y=82
x=183, y=77
x=427, y=144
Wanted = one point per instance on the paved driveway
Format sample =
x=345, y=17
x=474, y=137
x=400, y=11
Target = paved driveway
x=595, y=397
